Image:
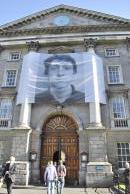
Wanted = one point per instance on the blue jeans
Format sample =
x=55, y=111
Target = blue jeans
x=51, y=187
x=61, y=183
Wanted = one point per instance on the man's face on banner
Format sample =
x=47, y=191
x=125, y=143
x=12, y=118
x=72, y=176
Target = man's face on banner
x=60, y=73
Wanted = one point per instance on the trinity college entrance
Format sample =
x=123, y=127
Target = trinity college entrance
x=60, y=141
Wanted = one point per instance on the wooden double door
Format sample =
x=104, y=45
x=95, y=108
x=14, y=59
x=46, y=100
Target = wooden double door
x=60, y=142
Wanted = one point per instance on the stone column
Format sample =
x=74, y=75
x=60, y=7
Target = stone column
x=25, y=115
x=99, y=171
x=94, y=107
x=25, y=111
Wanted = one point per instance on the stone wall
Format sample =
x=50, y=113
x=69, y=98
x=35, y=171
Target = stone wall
x=114, y=137
x=22, y=173
x=16, y=142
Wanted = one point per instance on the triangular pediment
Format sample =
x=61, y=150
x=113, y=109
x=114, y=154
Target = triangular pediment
x=63, y=15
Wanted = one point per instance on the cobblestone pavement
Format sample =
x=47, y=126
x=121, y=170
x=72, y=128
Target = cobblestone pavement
x=42, y=190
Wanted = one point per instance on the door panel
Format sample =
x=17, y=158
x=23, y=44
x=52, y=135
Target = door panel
x=65, y=140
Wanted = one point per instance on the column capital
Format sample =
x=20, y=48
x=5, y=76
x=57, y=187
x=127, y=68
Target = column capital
x=89, y=43
x=33, y=45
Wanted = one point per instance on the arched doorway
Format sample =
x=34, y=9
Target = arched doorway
x=60, y=141
x=59, y=155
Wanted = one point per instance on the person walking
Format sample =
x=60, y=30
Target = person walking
x=50, y=175
x=127, y=178
x=8, y=174
x=61, y=171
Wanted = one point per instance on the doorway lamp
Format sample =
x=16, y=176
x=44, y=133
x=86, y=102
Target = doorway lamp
x=33, y=156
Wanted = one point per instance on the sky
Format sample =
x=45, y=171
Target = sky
x=11, y=10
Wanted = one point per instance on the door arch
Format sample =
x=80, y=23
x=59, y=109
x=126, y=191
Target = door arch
x=59, y=140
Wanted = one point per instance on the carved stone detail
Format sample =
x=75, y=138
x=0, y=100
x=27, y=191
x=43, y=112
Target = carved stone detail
x=61, y=49
x=89, y=43
x=66, y=29
x=60, y=121
x=117, y=90
x=33, y=45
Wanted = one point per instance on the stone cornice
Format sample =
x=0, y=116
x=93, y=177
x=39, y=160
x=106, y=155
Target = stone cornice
x=117, y=89
x=11, y=94
x=66, y=29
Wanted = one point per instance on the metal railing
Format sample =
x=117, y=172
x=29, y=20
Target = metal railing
x=5, y=123
x=120, y=123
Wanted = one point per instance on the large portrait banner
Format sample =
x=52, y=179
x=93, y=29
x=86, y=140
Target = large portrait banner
x=61, y=78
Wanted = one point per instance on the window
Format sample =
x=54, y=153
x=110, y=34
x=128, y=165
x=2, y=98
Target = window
x=5, y=108
x=110, y=52
x=14, y=56
x=114, y=74
x=119, y=115
x=123, y=150
x=118, y=107
x=10, y=78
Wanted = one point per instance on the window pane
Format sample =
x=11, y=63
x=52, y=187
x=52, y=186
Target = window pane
x=123, y=154
x=118, y=145
x=119, y=151
x=120, y=158
x=128, y=158
x=118, y=107
x=120, y=164
x=15, y=55
x=127, y=151
x=114, y=74
x=10, y=77
x=111, y=52
x=5, y=108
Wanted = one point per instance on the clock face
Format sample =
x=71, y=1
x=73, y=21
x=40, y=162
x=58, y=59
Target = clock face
x=61, y=20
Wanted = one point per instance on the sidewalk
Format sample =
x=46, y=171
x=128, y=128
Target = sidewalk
x=67, y=190
x=42, y=190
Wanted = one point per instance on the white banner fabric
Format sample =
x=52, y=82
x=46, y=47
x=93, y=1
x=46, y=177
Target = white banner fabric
x=61, y=78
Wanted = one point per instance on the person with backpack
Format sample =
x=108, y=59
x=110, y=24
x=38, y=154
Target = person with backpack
x=61, y=171
x=50, y=175
x=8, y=174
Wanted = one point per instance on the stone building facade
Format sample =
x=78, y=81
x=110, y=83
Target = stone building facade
x=94, y=138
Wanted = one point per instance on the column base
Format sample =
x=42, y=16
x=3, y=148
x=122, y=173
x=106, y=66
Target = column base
x=95, y=125
x=99, y=174
x=22, y=177
x=23, y=126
